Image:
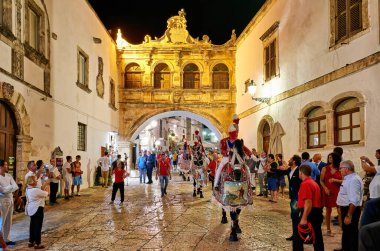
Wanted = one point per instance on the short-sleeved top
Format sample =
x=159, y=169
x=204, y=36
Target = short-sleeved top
x=164, y=166
x=119, y=175
x=309, y=190
x=212, y=166
x=76, y=168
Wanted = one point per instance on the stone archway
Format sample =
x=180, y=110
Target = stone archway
x=23, y=146
x=265, y=121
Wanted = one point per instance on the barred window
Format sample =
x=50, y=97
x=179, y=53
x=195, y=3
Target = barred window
x=191, y=77
x=316, y=128
x=82, y=137
x=220, y=77
x=348, y=18
x=270, y=60
x=133, y=76
x=347, y=122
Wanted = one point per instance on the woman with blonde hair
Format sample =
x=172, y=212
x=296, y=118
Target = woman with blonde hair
x=35, y=202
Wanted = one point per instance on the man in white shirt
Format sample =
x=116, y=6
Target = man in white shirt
x=7, y=187
x=54, y=176
x=370, y=168
x=350, y=199
x=104, y=162
x=261, y=173
x=32, y=167
x=67, y=176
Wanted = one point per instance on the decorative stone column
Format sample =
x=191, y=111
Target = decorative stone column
x=24, y=148
x=330, y=129
x=302, y=134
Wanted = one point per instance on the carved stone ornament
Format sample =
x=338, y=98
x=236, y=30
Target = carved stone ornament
x=7, y=90
x=99, y=79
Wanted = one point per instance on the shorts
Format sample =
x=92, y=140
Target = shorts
x=272, y=184
x=77, y=180
x=68, y=183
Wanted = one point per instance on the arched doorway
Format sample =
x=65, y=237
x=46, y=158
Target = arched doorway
x=266, y=137
x=8, y=141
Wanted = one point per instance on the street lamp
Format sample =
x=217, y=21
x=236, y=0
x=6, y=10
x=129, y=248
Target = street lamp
x=252, y=90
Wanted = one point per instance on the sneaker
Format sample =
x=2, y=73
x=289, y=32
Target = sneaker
x=111, y=202
x=11, y=243
x=78, y=194
x=289, y=238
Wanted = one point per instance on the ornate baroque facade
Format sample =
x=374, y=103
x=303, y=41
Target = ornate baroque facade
x=175, y=72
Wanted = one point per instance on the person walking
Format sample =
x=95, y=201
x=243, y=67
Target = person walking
x=309, y=203
x=77, y=173
x=350, y=199
x=35, y=202
x=272, y=177
x=104, y=162
x=67, y=176
x=330, y=180
x=163, y=170
x=151, y=164
x=120, y=174
x=54, y=176
x=7, y=187
x=141, y=162
x=261, y=174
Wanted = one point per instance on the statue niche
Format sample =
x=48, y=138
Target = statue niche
x=99, y=79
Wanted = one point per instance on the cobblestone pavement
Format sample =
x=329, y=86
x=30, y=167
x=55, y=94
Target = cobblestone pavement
x=149, y=222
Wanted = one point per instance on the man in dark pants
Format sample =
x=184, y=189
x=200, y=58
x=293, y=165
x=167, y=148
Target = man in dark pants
x=350, y=199
x=309, y=202
x=151, y=164
x=54, y=176
x=370, y=226
x=294, y=186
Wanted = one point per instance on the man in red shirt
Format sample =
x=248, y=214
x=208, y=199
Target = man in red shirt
x=309, y=202
x=163, y=170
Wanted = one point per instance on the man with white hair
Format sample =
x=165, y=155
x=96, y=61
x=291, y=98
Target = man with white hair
x=350, y=199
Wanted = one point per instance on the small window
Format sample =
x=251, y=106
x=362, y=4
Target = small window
x=316, y=128
x=133, y=76
x=34, y=21
x=162, y=76
x=191, y=77
x=347, y=122
x=270, y=60
x=348, y=18
x=83, y=68
x=220, y=77
x=82, y=136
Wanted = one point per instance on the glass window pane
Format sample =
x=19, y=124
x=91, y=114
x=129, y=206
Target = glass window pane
x=347, y=104
x=322, y=124
x=33, y=29
x=313, y=127
x=316, y=112
x=356, y=118
x=344, y=120
x=313, y=140
x=344, y=136
x=322, y=139
x=356, y=134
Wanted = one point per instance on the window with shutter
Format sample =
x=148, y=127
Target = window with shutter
x=348, y=19
x=270, y=58
x=220, y=77
x=191, y=77
x=133, y=76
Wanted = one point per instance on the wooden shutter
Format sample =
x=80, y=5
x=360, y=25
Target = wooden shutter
x=341, y=19
x=266, y=63
x=273, y=58
x=355, y=16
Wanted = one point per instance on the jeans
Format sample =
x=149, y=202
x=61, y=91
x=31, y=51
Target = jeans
x=36, y=226
x=261, y=183
x=53, y=192
x=142, y=174
x=115, y=187
x=164, y=181
x=149, y=173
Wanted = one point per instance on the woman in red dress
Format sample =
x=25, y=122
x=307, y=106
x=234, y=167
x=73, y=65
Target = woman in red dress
x=331, y=179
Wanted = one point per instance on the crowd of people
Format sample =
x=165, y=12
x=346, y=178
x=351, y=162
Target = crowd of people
x=315, y=188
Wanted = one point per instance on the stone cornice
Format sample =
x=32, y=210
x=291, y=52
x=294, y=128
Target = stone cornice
x=317, y=82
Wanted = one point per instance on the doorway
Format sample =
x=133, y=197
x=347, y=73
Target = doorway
x=8, y=131
x=266, y=137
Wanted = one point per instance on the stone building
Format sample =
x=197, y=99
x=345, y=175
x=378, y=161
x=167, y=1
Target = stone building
x=175, y=74
x=318, y=62
x=58, y=78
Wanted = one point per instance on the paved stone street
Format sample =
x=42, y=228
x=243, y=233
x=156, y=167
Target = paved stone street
x=147, y=222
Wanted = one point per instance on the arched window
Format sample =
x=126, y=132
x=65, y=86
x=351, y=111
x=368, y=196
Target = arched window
x=191, y=77
x=162, y=76
x=133, y=76
x=220, y=77
x=316, y=128
x=347, y=122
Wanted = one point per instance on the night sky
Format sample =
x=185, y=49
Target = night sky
x=216, y=18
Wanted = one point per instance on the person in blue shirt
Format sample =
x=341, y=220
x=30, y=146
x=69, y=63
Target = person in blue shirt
x=141, y=163
x=314, y=169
